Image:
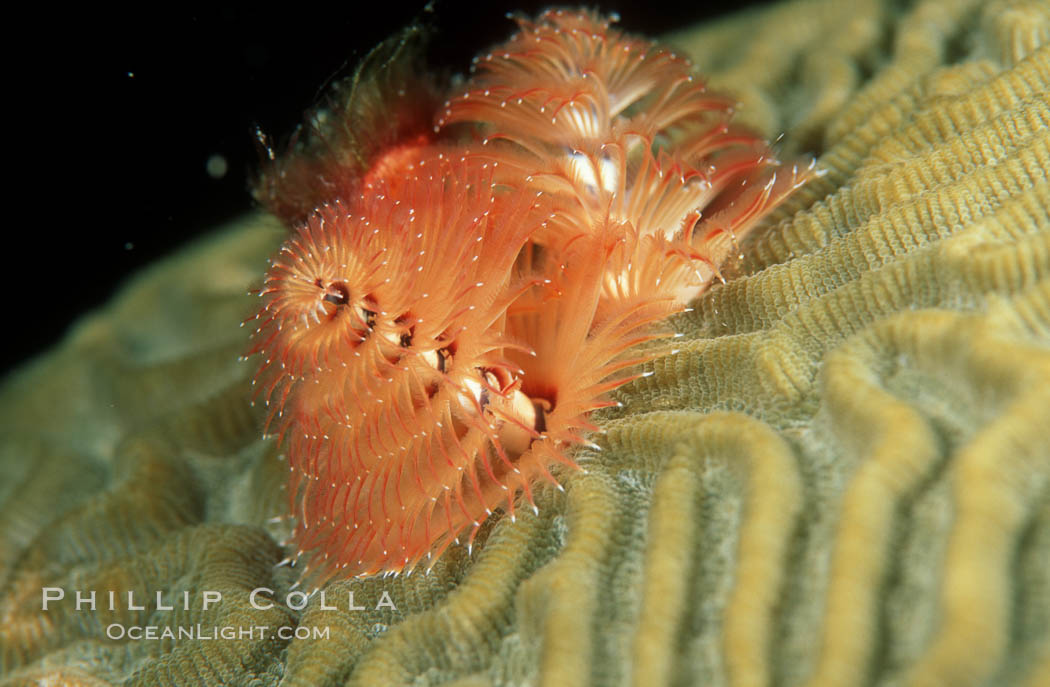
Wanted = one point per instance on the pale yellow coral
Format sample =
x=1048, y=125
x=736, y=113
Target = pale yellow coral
x=841, y=476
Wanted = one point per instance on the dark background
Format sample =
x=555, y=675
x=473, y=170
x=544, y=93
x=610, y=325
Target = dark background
x=118, y=113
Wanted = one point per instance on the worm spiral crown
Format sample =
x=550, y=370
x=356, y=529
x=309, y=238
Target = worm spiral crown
x=436, y=333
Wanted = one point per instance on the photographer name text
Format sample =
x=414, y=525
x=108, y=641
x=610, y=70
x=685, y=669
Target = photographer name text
x=260, y=598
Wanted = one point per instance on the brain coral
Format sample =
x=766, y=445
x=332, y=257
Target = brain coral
x=840, y=477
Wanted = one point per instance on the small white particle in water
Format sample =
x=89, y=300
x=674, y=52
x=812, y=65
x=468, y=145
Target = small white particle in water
x=216, y=166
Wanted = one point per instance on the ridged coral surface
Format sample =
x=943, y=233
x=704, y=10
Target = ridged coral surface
x=841, y=476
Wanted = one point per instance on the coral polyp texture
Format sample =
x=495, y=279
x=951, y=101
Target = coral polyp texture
x=841, y=475
x=436, y=334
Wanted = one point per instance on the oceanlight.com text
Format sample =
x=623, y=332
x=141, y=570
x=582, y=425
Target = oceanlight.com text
x=120, y=632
